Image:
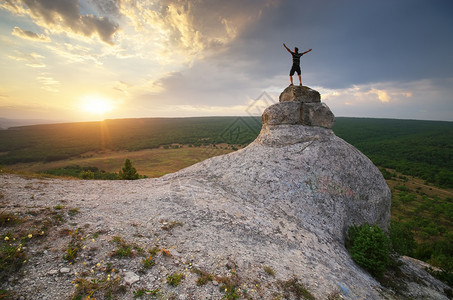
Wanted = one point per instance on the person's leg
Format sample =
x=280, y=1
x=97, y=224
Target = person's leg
x=291, y=73
x=298, y=74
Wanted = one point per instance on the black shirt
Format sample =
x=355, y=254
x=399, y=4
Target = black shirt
x=296, y=58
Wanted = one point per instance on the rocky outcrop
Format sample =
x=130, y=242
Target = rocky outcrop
x=298, y=166
x=299, y=105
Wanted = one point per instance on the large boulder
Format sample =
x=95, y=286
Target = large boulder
x=283, y=113
x=300, y=93
x=318, y=179
x=297, y=184
x=317, y=114
x=299, y=105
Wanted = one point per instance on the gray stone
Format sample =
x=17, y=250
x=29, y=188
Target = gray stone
x=52, y=272
x=317, y=114
x=299, y=105
x=324, y=182
x=300, y=93
x=298, y=113
x=131, y=278
x=295, y=189
x=282, y=113
x=65, y=270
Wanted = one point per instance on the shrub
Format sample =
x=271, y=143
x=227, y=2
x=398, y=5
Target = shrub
x=204, y=276
x=175, y=279
x=269, y=271
x=296, y=288
x=369, y=247
x=87, y=175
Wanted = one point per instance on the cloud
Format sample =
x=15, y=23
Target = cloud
x=63, y=16
x=33, y=59
x=76, y=53
x=183, y=31
x=48, y=83
x=375, y=94
x=422, y=99
x=103, y=7
x=29, y=35
x=122, y=87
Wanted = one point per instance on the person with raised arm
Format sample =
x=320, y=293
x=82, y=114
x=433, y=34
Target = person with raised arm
x=296, y=63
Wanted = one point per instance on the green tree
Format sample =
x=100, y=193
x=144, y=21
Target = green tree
x=369, y=247
x=128, y=172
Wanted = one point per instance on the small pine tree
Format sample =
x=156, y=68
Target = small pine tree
x=128, y=172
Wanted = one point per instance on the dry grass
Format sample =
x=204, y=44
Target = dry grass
x=149, y=162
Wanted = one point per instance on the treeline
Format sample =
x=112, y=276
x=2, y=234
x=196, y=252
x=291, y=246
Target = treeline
x=82, y=172
x=54, y=142
x=127, y=172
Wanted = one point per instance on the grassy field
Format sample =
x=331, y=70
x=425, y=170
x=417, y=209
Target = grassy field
x=427, y=212
x=150, y=162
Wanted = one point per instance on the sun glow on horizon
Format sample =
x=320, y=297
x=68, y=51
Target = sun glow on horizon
x=96, y=104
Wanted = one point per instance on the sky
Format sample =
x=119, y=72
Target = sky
x=86, y=60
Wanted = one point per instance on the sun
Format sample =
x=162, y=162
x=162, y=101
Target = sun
x=96, y=104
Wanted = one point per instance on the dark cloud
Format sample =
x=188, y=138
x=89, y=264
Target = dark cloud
x=26, y=34
x=64, y=15
x=353, y=41
x=391, y=44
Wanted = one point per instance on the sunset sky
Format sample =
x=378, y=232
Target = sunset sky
x=80, y=60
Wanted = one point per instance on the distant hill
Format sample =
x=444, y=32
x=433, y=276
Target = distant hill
x=420, y=148
x=61, y=141
x=6, y=123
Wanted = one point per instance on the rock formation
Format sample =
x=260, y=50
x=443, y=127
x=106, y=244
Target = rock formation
x=298, y=165
x=288, y=198
x=299, y=105
x=284, y=202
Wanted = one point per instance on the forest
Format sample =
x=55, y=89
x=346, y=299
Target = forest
x=419, y=148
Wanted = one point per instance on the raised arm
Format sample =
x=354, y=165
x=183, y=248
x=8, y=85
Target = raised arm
x=306, y=51
x=287, y=49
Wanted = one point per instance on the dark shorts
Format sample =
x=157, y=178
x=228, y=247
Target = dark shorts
x=294, y=69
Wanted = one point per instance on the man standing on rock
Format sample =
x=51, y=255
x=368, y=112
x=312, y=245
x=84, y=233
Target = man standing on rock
x=296, y=63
